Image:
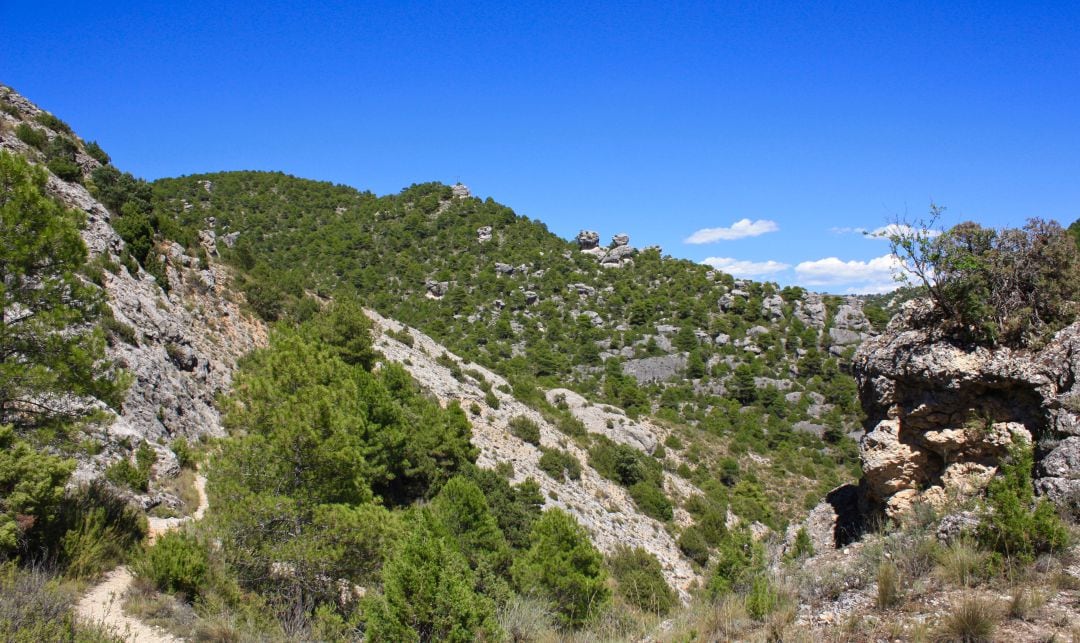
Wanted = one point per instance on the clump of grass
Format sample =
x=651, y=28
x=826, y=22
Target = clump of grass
x=973, y=620
x=962, y=563
x=1024, y=603
x=888, y=585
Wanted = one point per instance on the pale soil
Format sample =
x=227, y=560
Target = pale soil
x=102, y=603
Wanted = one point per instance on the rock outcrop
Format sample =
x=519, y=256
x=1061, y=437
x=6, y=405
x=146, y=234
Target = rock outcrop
x=940, y=416
x=588, y=240
x=179, y=343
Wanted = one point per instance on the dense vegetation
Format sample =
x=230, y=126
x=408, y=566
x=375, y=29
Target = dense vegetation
x=550, y=316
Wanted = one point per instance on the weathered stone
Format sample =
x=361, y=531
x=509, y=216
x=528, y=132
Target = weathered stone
x=588, y=239
x=941, y=417
x=483, y=234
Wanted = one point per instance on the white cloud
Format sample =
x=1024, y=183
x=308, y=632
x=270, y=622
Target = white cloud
x=741, y=268
x=738, y=230
x=873, y=276
x=884, y=232
x=902, y=229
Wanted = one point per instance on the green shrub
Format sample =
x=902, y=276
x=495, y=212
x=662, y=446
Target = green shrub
x=762, y=599
x=65, y=170
x=136, y=476
x=96, y=530
x=802, y=546
x=32, y=136
x=427, y=592
x=185, y=456
x=739, y=559
x=525, y=429
x=94, y=151
x=693, y=545
x=178, y=562
x=559, y=464
x=491, y=399
x=641, y=580
x=54, y=123
x=651, y=500
x=31, y=490
x=1012, y=526
x=563, y=567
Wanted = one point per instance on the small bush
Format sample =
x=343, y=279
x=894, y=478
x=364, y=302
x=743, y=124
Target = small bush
x=693, y=545
x=641, y=580
x=97, y=529
x=525, y=429
x=136, y=476
x=1013, y=527
x=972, y=621
x=491, y=399
x=651, y=500
x=802, y=546
x=185, y=456
x=763, y=599
x=559, y=464
x=177, y=563
x=65, y=169
x=32, y=136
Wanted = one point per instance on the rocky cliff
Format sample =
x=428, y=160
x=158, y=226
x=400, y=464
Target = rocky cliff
x=180, y=345
x=940, y=416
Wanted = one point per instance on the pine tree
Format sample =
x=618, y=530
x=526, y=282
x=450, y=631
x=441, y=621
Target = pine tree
x=52, y=351
x=564, y=567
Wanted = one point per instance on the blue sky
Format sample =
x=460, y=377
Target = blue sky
x=782, y=128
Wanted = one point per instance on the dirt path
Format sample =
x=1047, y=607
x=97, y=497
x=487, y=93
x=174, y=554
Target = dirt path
x=103, y=603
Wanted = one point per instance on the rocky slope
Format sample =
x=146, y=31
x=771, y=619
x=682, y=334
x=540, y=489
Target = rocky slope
x=180, y=347
x=603, y=507
x=940, y=416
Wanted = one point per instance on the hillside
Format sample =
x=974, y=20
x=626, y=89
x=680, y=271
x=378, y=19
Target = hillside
x=422, y=416
x=760, y=367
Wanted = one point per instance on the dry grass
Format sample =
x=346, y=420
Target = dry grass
x=888, y=585
x=972, y=620
x=183, y=487
x=962, y=563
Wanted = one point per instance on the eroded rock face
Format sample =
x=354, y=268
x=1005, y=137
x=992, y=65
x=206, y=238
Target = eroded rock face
x=179, y=342
x=940, y=417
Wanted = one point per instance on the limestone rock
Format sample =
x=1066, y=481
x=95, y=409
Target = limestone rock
x=460, y=191
x=436, y=289
x=483, y=234
x=620, y=240
x=940, y=416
